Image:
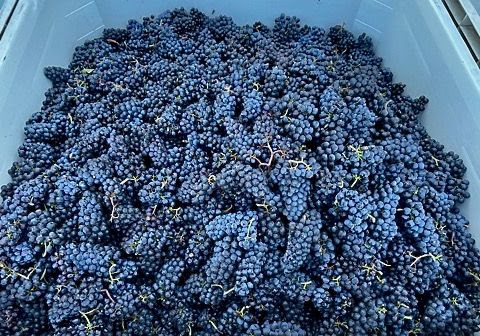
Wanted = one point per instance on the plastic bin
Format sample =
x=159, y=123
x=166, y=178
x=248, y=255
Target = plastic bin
x=416, y=38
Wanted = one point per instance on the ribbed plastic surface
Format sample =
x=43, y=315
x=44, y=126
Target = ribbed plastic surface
x=416, y=38
x=476, y=4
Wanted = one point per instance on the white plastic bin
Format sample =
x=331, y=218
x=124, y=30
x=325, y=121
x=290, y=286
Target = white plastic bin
x=416, y=38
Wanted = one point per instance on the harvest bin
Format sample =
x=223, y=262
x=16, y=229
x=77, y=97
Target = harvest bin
x=417, y=39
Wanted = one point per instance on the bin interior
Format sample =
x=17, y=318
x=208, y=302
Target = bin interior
x=416, y=39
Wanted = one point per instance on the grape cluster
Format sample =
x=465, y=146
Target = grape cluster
x=188, y=176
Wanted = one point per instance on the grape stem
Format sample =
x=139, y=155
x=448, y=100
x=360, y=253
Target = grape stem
x=214, y=326
x=434, y=257
x=272, y=155
x=108, y=294
x=114, y=213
